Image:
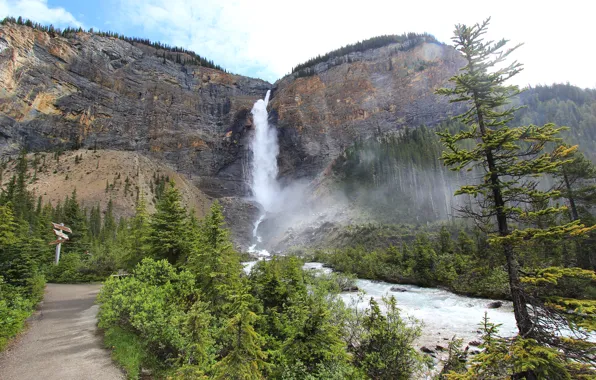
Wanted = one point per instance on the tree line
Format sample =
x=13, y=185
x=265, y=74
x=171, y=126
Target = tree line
x=407, y=40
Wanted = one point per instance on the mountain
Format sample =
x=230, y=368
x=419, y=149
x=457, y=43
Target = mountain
x=86, y=90
x=348, y=125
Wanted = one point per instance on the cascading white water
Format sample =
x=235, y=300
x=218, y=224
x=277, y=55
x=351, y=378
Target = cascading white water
x=265, y=150
x=264, y=166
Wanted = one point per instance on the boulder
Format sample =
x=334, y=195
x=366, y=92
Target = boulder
x=495, y=305
x=398, y=289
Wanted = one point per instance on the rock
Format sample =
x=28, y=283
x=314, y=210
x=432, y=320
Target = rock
x=352, y=288
x=475, y=343
x=146, y=372
x=495, y=305
x=89, y=91
x=240, y=215
x=439, y=348
x=102, y=92
x=318, y=131
x=398, y=289
x=426, y=350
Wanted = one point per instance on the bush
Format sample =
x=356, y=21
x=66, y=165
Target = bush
x=127, y=350
x=157, y=304
x=15, y=308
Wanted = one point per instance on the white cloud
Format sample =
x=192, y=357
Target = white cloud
x=267, y=37
x=38, y=11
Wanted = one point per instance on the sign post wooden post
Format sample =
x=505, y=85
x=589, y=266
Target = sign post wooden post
x=59, y=231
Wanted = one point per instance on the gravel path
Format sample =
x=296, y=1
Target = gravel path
x=61, y=342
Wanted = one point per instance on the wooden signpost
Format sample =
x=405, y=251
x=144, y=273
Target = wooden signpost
x=59, y=231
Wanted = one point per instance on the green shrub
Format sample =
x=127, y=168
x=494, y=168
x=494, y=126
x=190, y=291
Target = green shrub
x=15, y=308
x=127, y=350
x=158, y=304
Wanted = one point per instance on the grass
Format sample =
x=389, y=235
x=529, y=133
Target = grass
x=127, y=350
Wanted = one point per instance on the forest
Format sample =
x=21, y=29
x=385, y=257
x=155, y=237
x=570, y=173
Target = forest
x=405, y=180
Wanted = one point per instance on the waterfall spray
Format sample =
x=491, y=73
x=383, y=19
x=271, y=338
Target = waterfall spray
x=264, y=165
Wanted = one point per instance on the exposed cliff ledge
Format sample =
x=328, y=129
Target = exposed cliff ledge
x=359, y=95
x=92, y=91
x=107, y=93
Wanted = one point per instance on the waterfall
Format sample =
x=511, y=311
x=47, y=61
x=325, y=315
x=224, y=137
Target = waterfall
x=264, y=166
x=265, y=150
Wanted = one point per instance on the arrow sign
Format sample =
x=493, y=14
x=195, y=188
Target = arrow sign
x=60, y=235
x=61, y=227
x=59, y=241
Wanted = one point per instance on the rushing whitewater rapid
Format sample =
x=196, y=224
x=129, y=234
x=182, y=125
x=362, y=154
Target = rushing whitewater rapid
x=264, y=183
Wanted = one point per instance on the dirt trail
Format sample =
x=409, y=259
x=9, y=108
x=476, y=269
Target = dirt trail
x=61, y=342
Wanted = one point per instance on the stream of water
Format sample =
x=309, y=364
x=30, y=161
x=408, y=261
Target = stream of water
x=443, y=314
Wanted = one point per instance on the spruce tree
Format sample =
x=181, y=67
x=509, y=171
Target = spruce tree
x=511, y=159
x=214, y=260
x=75, y=218
x=243, y=358
x=138, y=234
x=108, y=232
x=169, y=235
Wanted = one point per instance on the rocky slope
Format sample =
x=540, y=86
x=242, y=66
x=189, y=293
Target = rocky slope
x=101, y=175
x=357, y=96
x=92, y=92
x=101, y=92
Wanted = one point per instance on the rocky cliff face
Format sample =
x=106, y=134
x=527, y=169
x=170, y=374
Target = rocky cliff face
x=88, y=91
x=358, y=96
x=92, y=91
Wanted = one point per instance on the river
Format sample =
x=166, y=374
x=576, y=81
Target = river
x=443, y=314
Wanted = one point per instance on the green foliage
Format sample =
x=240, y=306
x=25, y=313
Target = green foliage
x=158, y=304
x=214, y=261
x=168, y=228
x=243, y=357
x=518, y=358
x=127, y=350
x=382, y=343
x=447, y=257
x=15, y=307
x=138, y=234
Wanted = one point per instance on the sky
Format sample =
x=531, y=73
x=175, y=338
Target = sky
x=266, y=38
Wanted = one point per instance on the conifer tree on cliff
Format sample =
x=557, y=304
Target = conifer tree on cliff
x=510, y=160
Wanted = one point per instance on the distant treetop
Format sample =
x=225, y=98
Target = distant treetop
x=408, y=41
x=175, y=54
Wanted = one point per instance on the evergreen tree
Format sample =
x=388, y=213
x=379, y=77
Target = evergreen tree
x=383, y=349
x=575, y=180
x=75, y=218
x=108, y=232
x=168, y=237
x=95, y=222
x=512, y=159
x=139, y=233
x=214, y=260
x=242, y=356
